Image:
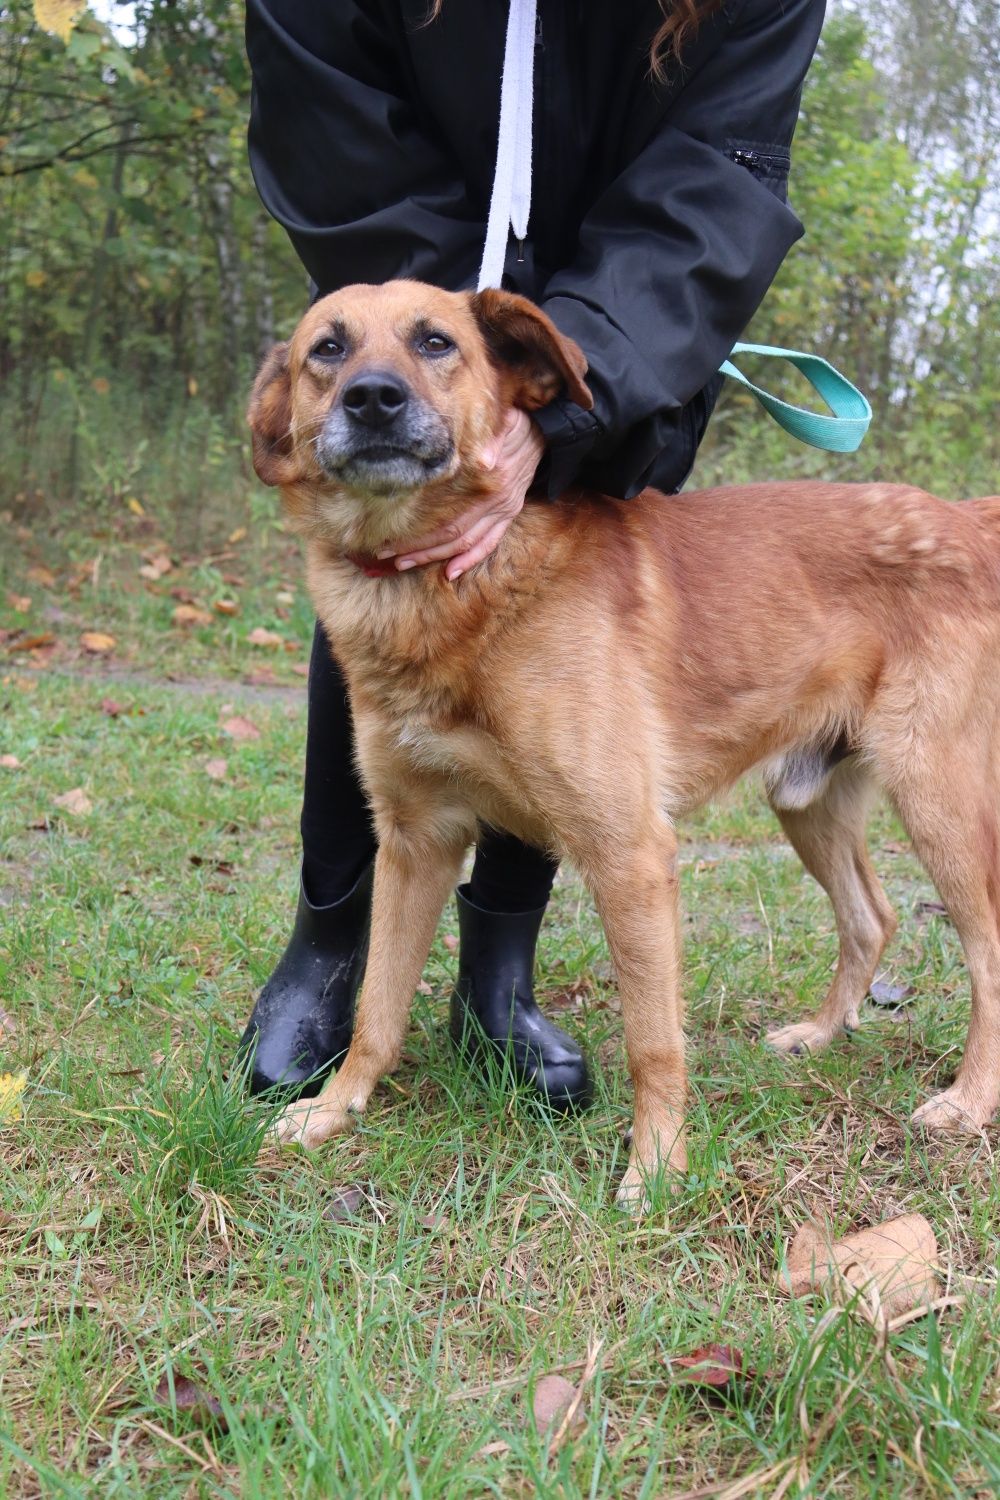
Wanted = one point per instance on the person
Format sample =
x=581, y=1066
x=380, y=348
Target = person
x=659, y=218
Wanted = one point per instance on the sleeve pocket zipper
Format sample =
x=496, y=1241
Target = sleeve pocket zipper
x=760, y=161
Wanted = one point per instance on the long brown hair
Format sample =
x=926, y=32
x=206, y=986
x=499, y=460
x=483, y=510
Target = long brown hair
x=681, y=19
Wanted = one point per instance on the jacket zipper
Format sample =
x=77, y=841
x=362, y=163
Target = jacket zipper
x=757, y=161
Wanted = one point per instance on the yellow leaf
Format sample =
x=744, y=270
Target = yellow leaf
x=135, y=506
x=59, y=16
x=238, y=534
x=11, y=1089
x=35, y=278
x=101, y=386
x=187, y=615
x=192, y=386
x=97, y=643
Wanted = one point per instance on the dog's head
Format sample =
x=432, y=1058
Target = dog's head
x=386, y=394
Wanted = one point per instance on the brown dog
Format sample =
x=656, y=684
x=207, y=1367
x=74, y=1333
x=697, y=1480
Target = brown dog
x=614, y=664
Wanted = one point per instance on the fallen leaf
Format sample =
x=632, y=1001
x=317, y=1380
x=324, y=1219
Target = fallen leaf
x=423, y=988
x=893, y=846
x=191, y=1397
x=261, y=677
x=10, y=762
x=261, y=637
x=11, y=1089
x=226, y=607
x=554, y=1395
x=156, y=567
x=75, y=802
x=216, y=768
x=113, y=708
x=8, y=1026
x=283, y=596
x=239, y=728
x=135, y=506
x=41, y=825
x=97, y=643
x=33, y=642
x=893, y=1264
x=220, y=866
x=20, y=603
x=451, y=942
x=890, y=995
x=300, y=668
x=344, y=1204
x=931, y=909
x=237, y=535
x=183, y=596
x=715, y=1365
x=42, y=576
x=188, y=615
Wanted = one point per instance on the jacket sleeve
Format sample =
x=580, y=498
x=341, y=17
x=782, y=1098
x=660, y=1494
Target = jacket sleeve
x=675, y=256
x=338, y=155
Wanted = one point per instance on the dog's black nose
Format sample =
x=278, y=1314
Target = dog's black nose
x=375, y=398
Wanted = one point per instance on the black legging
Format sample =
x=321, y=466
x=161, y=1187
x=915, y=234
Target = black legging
x=338, y=840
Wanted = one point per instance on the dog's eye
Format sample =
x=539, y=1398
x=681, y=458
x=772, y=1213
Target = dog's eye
x=327, y=349
x=435, y=343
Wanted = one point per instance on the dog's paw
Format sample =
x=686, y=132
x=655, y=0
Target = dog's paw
x=952, y=1112
x=656, y=1169
x=309, y=1123
x=800, y=1039
x=632, y=1196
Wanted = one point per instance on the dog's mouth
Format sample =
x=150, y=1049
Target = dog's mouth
x=387, y=463
x=386, y=469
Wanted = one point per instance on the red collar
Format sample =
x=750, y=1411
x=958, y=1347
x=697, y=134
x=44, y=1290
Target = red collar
x=372, y=566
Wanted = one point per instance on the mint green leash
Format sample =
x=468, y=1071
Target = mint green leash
x=840, y=433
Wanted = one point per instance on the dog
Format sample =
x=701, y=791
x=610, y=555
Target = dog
x=614, y=664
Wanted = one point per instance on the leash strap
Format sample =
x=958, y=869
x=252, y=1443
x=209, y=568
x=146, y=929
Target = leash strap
x=842, y=432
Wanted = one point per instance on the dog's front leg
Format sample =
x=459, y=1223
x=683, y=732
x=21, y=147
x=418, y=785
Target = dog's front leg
x=415, y=869
x=636, y=894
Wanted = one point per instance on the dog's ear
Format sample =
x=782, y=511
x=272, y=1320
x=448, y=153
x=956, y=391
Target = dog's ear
x=270, y=418
x=528, y=344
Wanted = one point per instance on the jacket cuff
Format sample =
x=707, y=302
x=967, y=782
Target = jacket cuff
x=569, y=433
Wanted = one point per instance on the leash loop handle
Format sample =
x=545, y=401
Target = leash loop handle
x=841, y=432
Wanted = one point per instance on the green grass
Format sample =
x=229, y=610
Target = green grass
x=145, y=1234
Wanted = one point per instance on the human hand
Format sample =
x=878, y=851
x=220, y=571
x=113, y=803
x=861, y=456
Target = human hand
x=514, y=455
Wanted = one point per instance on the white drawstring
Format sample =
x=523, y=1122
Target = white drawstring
x=510, y=202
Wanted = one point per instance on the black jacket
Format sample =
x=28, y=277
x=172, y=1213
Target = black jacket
x=658, y=216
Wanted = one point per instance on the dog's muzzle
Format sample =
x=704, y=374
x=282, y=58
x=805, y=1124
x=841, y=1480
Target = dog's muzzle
x=380, y=438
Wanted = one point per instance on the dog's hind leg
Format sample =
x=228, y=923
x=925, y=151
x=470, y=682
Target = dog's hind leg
x=829, y=838
x=635, y=888
x=417, y=864
x=952, y=812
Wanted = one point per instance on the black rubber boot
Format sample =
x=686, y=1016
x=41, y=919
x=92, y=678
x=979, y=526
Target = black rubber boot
x=493, y=1005
x=301, y=1024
